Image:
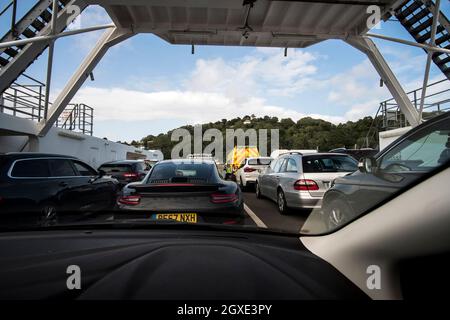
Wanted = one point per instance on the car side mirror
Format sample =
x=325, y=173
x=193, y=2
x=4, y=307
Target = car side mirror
x=367, y=165
x=101, y=173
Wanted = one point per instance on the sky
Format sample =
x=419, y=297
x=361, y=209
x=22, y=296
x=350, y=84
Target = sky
x=146, y=86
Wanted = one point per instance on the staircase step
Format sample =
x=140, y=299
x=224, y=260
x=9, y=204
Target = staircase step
x=11, y=52
x=426, y=36
x=408, y=23
x=38, y=24
x=3, y=61
x=446, y=71
x=46, y=16
x=442, y=39
x=29, y=33
x=422, y=26
x=408, y=10
x=442, y=61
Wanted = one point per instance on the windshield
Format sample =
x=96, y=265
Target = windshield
x=171, y=171
x=329, y=164
x=259, y=162
x=216, y=113
x=116, y=168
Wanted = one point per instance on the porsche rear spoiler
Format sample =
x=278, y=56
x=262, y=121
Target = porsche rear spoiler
x=176, y=187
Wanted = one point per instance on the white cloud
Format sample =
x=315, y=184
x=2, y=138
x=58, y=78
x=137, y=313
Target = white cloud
x=255, y=73
x=217, y=89
x=189, y=106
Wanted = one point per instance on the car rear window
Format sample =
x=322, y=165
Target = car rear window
x=324, y=163
x=116, y=168
x=140, y=166
x=174, y=172
x=259, y=162
x=31, y=169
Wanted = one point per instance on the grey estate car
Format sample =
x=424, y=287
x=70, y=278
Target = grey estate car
x=419, y=151
x=296, y=180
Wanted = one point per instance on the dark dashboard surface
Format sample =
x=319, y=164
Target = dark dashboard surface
x=166, y=264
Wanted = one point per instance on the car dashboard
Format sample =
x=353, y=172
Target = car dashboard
x=172, y=264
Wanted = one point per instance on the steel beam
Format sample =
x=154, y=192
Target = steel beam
x=429, y=56
x=110, y=38
x=424, y=46
x=368, y=47
x=51, y=50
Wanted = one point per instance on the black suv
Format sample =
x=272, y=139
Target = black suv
x=46, y=184
x=126, y=171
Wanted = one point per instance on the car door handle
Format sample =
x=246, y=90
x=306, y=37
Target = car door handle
x=63, y=184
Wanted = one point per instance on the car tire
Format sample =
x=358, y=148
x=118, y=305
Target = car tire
x=281, y=203
x=337, y=213
x=258, y=190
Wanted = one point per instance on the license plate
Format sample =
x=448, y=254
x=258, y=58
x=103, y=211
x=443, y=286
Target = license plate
x=181, y=217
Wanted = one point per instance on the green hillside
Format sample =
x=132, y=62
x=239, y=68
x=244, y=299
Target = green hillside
x=306, y=133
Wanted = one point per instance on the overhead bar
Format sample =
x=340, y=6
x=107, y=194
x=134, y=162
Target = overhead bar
x=17, y=43
x=410, y=43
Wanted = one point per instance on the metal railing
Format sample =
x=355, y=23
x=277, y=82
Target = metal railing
x=389, y=115
x=27, y=100
x=437, y=101
x=77, y=117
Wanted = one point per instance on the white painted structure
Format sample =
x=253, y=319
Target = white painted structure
x=92, y=150
x=387, y=137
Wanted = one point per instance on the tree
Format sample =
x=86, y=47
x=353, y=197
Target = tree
x=306, y=133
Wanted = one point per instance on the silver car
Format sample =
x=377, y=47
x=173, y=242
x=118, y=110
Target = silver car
x=298, y=180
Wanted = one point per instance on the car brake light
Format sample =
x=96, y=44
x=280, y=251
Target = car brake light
x=131, y=175
x=223, y=197
x=230, y=222
x=306, y=185
x=248, y=169
x=130, y=200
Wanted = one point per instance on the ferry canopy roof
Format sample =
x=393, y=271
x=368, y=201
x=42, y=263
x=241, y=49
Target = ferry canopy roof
x=266, y=23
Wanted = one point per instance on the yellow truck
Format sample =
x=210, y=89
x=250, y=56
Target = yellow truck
x=237, y=156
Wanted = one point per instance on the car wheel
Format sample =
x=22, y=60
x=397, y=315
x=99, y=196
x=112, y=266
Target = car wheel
x=281, y=202
x=48, y=215
x=338, y=212
x=258, y=191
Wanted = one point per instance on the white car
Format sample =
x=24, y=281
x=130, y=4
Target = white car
x=249, y=170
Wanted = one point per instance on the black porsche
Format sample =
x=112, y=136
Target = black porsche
x=189, y=191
